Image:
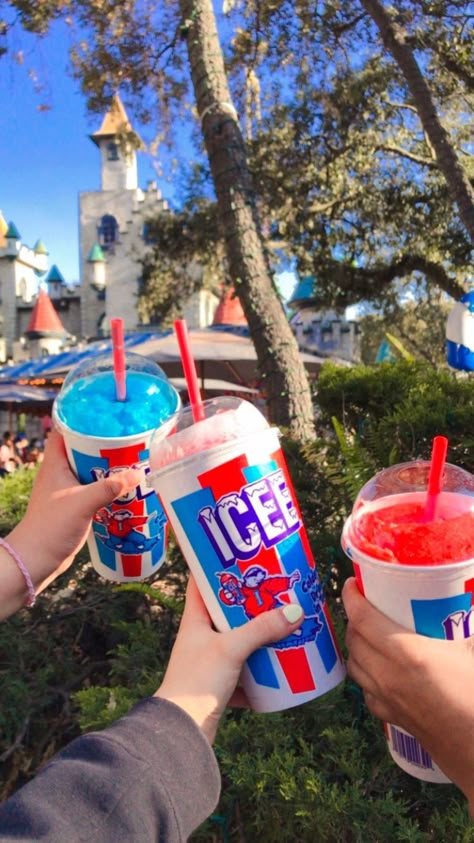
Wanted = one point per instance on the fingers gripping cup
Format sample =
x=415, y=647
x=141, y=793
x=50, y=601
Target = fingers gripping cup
x=225, y=488
x=104, y=435
x=414, y=561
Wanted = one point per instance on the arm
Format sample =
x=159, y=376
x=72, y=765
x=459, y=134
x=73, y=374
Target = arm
x=425, y=685
x=152, y=776
x=55, y=525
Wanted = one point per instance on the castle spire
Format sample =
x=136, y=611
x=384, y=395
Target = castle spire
x=44, y=320
x=229, y=310
x=117, y=143
x=115, y=122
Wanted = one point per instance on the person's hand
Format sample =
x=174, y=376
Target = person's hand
x=205, y=665
x=58, y=518
x=425, y=685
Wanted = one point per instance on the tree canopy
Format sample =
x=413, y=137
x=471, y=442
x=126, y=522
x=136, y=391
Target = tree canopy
x=347, y=180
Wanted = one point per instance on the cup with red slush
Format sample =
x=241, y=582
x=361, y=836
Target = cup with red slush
x=416, y=566
x=224, y=485
x=103, y=435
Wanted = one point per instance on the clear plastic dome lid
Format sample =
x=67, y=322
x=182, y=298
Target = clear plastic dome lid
x=102, y=363
x=225, y=419
x=412, y=477
x=88, y=404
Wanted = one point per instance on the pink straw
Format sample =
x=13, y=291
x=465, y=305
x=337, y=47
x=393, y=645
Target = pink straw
x=189, y=368
x=436, y=476
x=119, y=359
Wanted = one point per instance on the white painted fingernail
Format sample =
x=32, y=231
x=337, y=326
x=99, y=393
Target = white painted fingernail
x=292, y=612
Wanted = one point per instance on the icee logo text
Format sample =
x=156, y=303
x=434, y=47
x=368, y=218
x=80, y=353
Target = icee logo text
x=261, y=513
x=140, y=492
x=459, y=625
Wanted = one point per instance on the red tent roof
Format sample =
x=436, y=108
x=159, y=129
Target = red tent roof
x=229, y=310
x=44, y=319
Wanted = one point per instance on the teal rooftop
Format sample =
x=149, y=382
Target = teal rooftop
x=304, y=290
x=96, y=254
x=39, y=248
x=54, y=275
x=12, y=232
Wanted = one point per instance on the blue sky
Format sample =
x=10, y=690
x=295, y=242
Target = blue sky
x=46, y=156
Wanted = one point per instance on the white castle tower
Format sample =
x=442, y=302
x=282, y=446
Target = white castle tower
x=21, y=267
x=113, y=228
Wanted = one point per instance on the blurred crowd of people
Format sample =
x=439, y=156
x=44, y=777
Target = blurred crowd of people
x=18, y=452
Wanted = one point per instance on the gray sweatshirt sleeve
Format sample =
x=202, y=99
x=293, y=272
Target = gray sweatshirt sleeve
x=152, y=776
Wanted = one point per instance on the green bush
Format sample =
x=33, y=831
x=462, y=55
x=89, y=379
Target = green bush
x=15, y=490
x=395, y=409
x=89, y=650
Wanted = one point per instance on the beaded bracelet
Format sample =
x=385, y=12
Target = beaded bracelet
x=31, y=599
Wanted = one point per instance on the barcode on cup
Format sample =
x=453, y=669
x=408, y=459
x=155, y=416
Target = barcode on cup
x=409, y=749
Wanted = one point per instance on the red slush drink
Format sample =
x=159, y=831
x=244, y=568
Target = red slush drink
x=398, y=532
x=419, y=571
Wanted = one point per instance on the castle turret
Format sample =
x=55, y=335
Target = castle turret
x=55, y=283
x=41, y=253
x=45, y=332
x=96, y=262
x=13, y=239
x=20, y=267
x=229, y=310
x=118, y=157
x=113, y=228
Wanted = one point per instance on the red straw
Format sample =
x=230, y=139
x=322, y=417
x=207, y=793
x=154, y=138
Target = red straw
x=189, y=368
x=119, y=359
x=436, y=476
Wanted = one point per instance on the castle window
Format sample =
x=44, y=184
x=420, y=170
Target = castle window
x=112, y=152
x=147, y=234
x=108, y=231
x=102, y=325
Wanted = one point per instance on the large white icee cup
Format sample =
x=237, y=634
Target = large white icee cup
x=226, y=490
x=128, y=538
x=434, y=600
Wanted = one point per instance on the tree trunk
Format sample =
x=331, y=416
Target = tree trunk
x=393, y=37
x=284, y=379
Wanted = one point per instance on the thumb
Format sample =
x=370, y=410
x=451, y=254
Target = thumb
x=266, y=628
x=93, y=496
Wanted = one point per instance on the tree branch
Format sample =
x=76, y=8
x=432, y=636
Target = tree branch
x=404, y=153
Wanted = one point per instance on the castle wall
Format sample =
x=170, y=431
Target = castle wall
x=130, y=208
x=119, y=173
x=325, y=333
x=18, y=283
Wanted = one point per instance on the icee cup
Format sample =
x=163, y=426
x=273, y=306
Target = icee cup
x=417, y=571
x=128, y=539
x=225, y=487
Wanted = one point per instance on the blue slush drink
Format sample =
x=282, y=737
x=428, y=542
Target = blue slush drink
x=127, y=541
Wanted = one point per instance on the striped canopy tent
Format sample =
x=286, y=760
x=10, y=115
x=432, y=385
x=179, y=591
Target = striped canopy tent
x=221, y=353
x=24, y=399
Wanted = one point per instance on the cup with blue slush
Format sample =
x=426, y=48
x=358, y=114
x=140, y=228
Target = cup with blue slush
x=107, y=421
